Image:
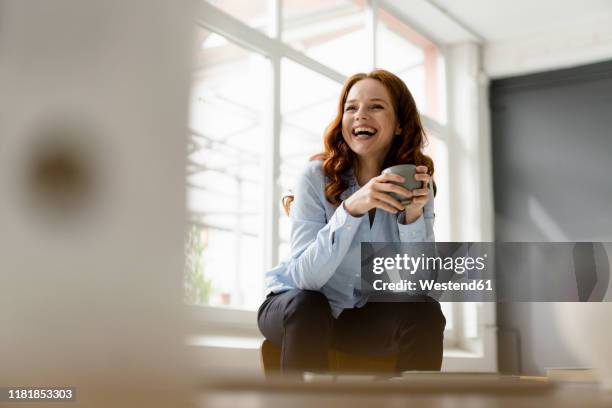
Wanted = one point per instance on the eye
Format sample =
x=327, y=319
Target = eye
x=377, y=106
x=349, y=108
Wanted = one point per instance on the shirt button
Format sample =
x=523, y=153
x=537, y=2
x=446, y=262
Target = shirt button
x=349, y=227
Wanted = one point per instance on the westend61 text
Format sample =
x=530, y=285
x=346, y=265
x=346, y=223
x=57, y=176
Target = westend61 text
x=427, y=285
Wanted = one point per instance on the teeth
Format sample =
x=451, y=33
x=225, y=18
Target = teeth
x=364, y=129
x=364, y=132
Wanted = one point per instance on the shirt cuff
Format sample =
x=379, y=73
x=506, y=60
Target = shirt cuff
x=345, y=218
x=414, y=232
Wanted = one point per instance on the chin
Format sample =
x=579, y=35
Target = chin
x=364, y=151
x=361, y=152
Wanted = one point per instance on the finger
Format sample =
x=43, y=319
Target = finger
x=422, y=177
x=384, y=206
x=386, y=198
x=421, y=169
x=403, y=191
x=385, y=177
x=420, y=200
x=420, y=192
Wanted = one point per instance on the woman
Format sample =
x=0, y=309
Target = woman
x=314, y=302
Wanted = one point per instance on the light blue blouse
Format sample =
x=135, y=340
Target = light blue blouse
x=326, y=241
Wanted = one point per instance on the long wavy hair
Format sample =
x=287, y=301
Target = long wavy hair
x=406, y=147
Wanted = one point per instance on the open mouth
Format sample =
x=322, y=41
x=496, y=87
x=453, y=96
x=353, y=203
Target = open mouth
x=364, y=132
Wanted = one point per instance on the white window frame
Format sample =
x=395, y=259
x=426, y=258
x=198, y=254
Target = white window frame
x=461, y=353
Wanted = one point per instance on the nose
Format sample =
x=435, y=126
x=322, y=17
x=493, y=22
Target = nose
x=360, y=114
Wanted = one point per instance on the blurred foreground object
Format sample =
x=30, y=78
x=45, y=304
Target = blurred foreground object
x=93, y=102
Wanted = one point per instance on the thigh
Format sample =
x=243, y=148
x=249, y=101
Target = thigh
x=271, y=314
x=374, y=329
x=307, y=309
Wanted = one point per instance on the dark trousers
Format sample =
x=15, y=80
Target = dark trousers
x=301, y=323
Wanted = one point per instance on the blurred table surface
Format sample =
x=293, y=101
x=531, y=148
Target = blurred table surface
x=356, y=394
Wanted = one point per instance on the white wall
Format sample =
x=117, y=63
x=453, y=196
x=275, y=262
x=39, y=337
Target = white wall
x=470, y=171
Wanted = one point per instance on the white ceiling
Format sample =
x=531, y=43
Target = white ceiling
x=517, y=36
x=499, y=20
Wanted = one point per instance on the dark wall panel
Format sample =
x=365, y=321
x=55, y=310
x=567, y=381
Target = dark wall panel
x=552, y=174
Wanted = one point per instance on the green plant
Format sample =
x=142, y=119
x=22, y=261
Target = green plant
x=197, y=286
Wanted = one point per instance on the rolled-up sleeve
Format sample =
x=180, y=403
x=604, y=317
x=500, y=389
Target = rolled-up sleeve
x=421, y=230
x=317, y=245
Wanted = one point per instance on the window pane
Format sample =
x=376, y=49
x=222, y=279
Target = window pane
x=228, y=103
x=438, y=151
x=254, y=13
x=308, y=104
x=332, y=31
x=415, y=59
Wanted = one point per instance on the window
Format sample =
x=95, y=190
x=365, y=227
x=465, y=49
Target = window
x=328, y=31
x=224, y=174
x=308, y=104
x=413, y=58
x=292, y=81
x=437, y=149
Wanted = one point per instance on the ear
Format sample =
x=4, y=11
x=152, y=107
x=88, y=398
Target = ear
x=398, y=130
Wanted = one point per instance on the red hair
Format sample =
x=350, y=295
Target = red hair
x=406, y=148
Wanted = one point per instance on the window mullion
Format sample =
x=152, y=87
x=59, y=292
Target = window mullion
x=276, y=18
x=271, y=168
x=272, y=161
x=241, y=34
x=371, y=23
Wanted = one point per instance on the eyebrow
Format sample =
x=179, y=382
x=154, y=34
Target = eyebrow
x=373, y=99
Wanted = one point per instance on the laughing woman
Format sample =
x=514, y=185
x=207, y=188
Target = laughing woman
x=342, y=199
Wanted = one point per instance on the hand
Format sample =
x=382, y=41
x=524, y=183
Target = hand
x=374, y=195
x=420, y=196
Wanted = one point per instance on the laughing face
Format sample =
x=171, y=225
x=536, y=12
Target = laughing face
x=369, y=122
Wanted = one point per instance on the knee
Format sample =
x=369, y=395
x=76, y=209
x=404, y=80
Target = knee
x=309, y=306
x=426, y=315
x=433, y=318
